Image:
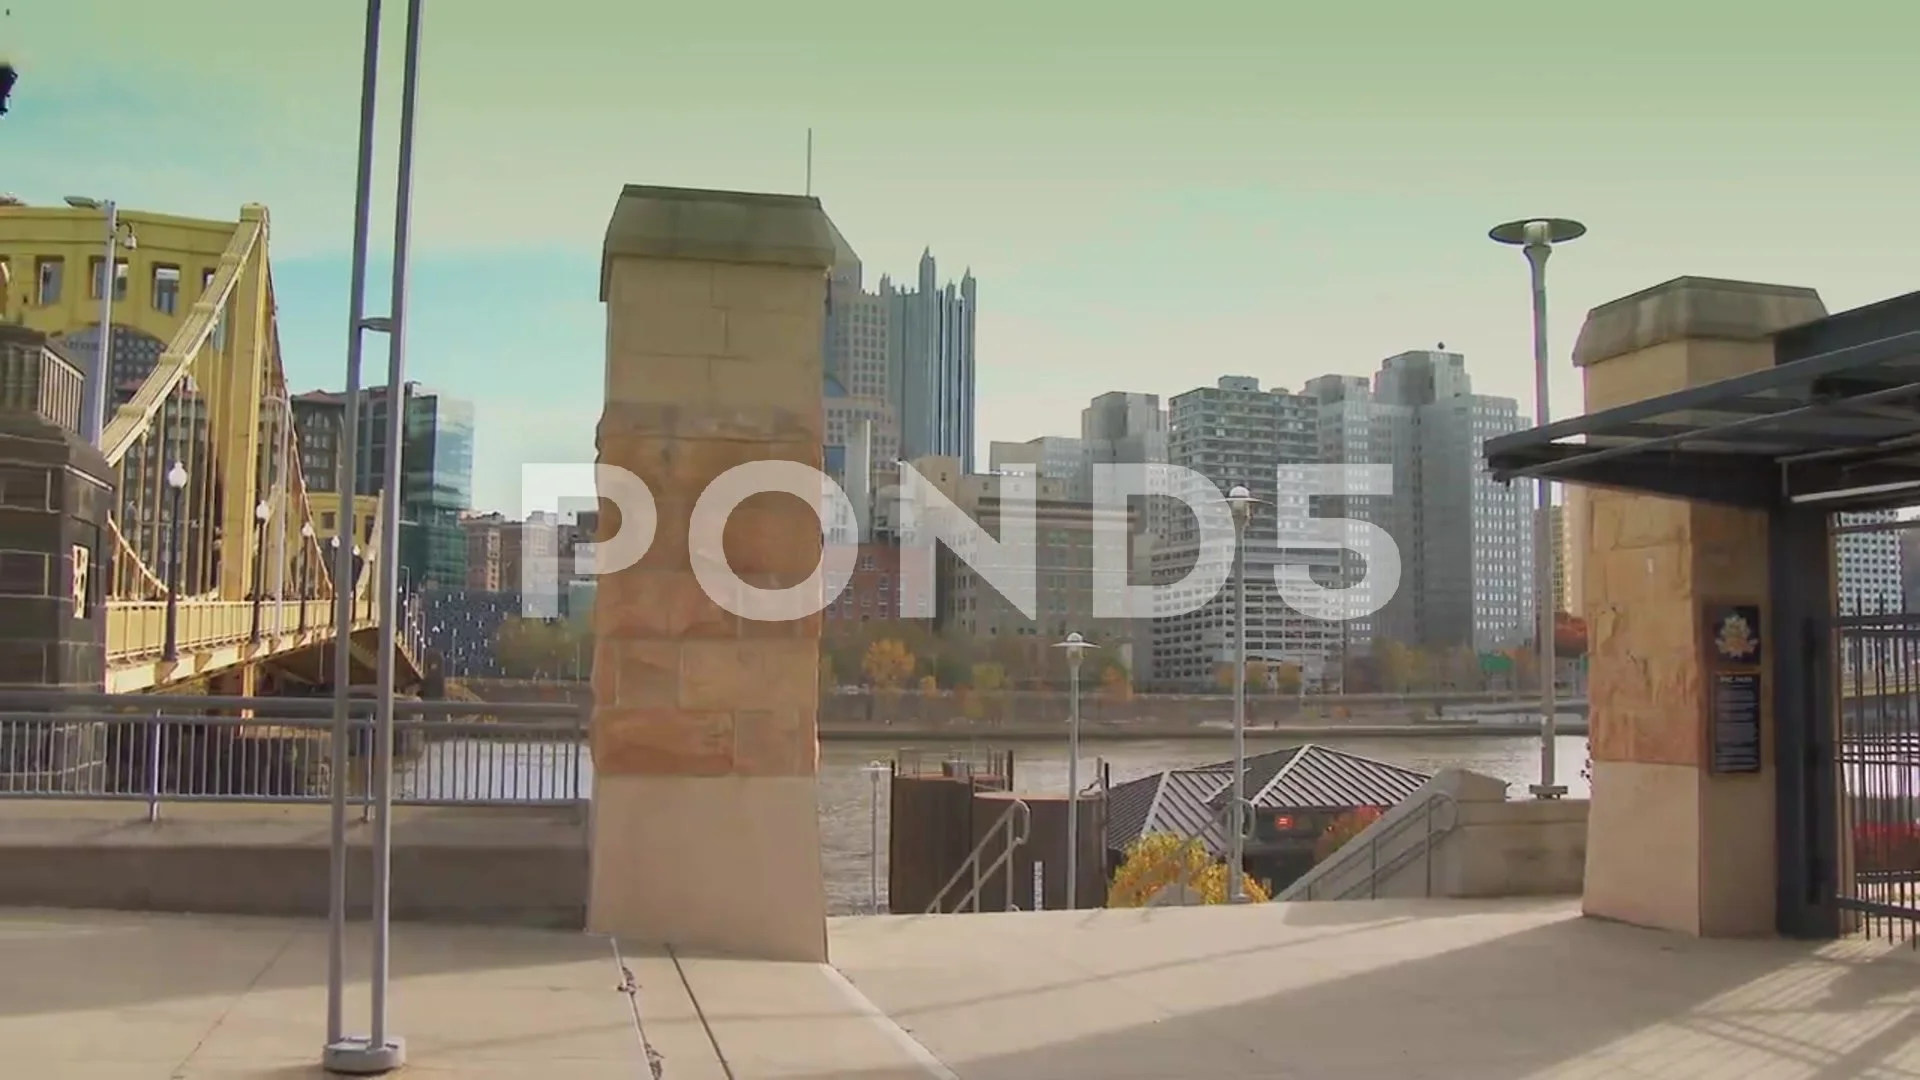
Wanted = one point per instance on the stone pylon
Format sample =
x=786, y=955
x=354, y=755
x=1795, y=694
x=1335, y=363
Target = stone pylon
x=705, y=831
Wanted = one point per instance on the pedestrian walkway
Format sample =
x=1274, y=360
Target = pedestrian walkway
x=1409, y=990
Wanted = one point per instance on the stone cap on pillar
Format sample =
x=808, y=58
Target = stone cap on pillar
x=717, y=226
x=1693, y=307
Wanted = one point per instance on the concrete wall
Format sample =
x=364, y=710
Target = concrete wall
x=519, y=867
x=906, y=709
x=1459, y=836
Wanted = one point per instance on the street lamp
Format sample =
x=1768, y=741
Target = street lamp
x=93, y=417
x=306, y=571
x=1241, y=501
x=1075, y=646
x=874, y=770
x=1536, y=238
x=176, y=490
x=261, y=512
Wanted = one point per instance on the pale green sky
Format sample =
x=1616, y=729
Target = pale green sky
x=1150, y=196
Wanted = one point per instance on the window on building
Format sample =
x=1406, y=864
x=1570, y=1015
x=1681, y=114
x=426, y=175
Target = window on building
x=326, y=520
x=49, y=275
x=206, y=280
x=166, y=289
x=97, y=272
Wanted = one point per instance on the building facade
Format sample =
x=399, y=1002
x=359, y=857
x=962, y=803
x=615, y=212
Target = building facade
x=1237, y=434
x=1466, y=542
x=1055, y=457
x=1867, y=563
x=930, y=367
x=436, y=470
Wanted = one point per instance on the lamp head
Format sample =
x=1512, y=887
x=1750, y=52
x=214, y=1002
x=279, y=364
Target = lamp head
x=306, y=530
x=1075, y=645
x=83, y=202
x=1541, y=232
x=177, y=476
x=1240, y=501
x=261, y=512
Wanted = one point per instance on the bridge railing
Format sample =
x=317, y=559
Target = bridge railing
x=158, y=749
x=137, y=629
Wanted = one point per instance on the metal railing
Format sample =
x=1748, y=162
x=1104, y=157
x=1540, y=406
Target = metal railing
x=1424, y=814
x=157, y=749
x=1016, y=822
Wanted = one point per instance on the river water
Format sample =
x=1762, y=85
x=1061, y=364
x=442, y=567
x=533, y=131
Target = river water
x=852, y=804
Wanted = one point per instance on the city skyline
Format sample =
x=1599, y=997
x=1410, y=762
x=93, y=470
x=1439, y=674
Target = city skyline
x=1131, y=228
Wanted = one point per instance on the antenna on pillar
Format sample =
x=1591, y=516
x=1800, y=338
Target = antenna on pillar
x=809, y=161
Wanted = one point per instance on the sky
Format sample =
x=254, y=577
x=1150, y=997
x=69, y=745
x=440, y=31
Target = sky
x=1151, y=196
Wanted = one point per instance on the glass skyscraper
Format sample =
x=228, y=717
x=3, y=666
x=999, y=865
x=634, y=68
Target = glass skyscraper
x=436, y=486
x=436, y=471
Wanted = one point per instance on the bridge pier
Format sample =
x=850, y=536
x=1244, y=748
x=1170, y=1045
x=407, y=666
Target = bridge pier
x=55, y=563
x=1682, y=832
x=705, y=830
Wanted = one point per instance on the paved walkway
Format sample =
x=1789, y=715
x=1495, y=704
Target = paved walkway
x=1415, y=990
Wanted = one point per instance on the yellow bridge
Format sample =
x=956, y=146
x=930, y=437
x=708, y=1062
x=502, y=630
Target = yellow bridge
x=217, y=561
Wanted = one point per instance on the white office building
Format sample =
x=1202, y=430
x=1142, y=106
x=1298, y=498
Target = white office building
x=1237, y=434
x=1867, y=563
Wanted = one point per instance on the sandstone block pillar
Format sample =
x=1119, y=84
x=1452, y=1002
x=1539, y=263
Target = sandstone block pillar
x=1671, y=843
x=705, y=828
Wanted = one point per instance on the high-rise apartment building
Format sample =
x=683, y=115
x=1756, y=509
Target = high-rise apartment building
x=1562, y=562
x=436, y=469
x=1466, y=542
x=1866, y=555
x=1236, y=434
x=1351, y=430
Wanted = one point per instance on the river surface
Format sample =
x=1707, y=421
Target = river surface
x=853, y=806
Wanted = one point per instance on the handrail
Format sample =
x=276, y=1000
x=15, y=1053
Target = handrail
x=1017, y=810
x=1424, y=815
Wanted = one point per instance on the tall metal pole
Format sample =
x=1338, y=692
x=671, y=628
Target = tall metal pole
x=1537, y=251
x=1537, y=237
x=874, y=771
x=389, y=557
x=1236, y=823
x=95, y=416
x=338, y=1050
x=1073, y=777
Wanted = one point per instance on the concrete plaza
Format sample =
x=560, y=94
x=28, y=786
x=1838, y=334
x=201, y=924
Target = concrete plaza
x=1410, y=990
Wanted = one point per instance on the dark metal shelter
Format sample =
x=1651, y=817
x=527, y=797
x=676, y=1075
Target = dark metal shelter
x=1832, y=428
x=1296, y=792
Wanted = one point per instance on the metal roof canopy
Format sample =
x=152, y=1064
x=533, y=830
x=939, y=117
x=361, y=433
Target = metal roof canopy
x=1836, y=422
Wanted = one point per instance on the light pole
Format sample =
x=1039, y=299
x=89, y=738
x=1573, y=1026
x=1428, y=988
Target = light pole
x=1241, y=501
x=874, y=770
x=1075, y=647
x=1536, y=238
x=176, y=492
x=93, y=415
x=261, y=512
x=306, y=570
x=379, y=1050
